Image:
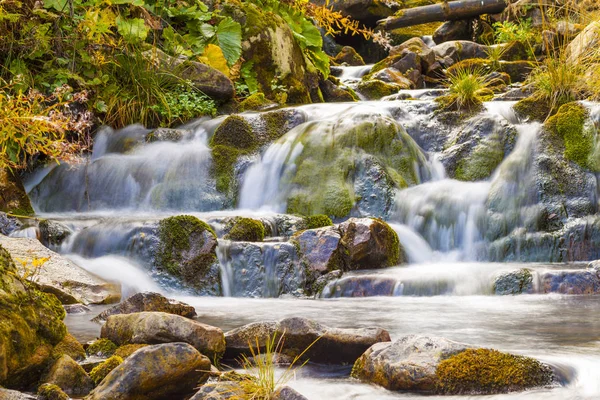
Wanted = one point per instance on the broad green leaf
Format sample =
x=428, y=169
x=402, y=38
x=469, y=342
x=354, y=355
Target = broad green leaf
x=133, y=30
x=320, y=60
x=139, y=3
x=208, y=30
x=58, y=5
x=229, y=36
x=311, y=34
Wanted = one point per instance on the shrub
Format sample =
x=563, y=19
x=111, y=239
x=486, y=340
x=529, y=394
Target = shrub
x=467, y=89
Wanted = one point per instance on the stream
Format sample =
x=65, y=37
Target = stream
x=445, y=290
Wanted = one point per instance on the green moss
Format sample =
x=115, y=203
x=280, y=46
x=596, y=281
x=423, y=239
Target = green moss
x=246, y=230
x=256, y=101
x=391, y=242
x=489, y=371
x=569, y=123
x=349, y=56
x=401, y=35
x=71, y=347
x=375, y=89
x=533, y=108
x=276, y=124
x=223, y=167
x=48, y=391
x=317, y=221
x=128, y=349
x=484, y=159
x=176, y=235
x=14, y=199
x=234, y=132
x=101, y=348
x=101, y=371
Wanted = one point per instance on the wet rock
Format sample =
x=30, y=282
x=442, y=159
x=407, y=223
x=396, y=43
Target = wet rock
x=262, y=270
x=407, y=61
x=8, y=224
x=452, y=31
x=323, y=281
x=287, y=393
x=360, y=286
x=158, y=327
x=103, y=348
x=141, y=377
x=375, y=89
x=219, y=391
x=13, y=198
x=408, y=363
x=70, y=377
x=167, y=135
x=349, y=56
x=417, y=46
x=322, y=250
x=371, y=244
x=335, y=346
x=76, y=309
x=59, y=276
x=393, y=76
x=148, y=301
x=460, y=50
x=515, y=94
x=374, y=189
x=53, y=233
x=577, y=282
x=186, y=249
x=514, y=282
x=100, y=371
x=333, y=93
x=6, y=394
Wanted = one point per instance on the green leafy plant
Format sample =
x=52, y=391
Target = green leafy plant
x=507, y=31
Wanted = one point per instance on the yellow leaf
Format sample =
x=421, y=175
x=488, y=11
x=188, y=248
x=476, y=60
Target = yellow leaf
x=213, y=56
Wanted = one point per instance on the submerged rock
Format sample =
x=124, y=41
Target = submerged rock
x=436, y=365
x=148, y=301
x=159, y=327
x=322, y=344
x=154, y=372
x=59, y=276
x=361, y=286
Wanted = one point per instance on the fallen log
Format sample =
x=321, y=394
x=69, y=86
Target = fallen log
x=446, y=11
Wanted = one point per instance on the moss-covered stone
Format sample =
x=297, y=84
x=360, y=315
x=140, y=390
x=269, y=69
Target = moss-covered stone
x=101, y=348
x=476, y=371
x=375, y=89
x=71, y=347
x=317, y=221
x=246, y=230
x=482, y=161
x=401, y=35
x=48, y=391
x=13, y=198
x=100, y=372
x=569, y=123
x=223, y=168
x=30, y=326
x=533, y=108
x=179, y=236
x=256, y=101
x=323, y=182
x=128, y=349
x=234, y=132
x=349, y=56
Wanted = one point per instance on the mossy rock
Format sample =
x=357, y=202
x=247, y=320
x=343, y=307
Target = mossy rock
x=256, y=101
x=128, y=349
x=482, y=161
x=401, y=35
x=101, y=348
x=533, y=108
x=234, y=132
x=375, y=89
x=317, y=221
x=71, y=347
x=31, y=324
x=48, y=391
x=485, y=371
x=569, y=124
x=349, y=56
x=246, y=230
x=100, y=372
x=223, y=167
x=13, y=198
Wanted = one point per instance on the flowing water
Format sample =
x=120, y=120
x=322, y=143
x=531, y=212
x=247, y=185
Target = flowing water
x=446, y=290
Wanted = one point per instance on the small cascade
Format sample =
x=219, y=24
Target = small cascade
x=126, y=173
x=417, y=249
x=354, y=74
x=259, y=269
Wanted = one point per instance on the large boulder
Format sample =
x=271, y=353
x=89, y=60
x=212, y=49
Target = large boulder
x=436, y=365
x=30, y=326
x=322, y=344
x=580, y=47
x=59, y=276
x=70, y=377
x=13, y=198
x=158, y=327
x=459, y=50
x=371, y=244
x=155, y=372
x=186, y=249
x=322, y=250
x=148, y=301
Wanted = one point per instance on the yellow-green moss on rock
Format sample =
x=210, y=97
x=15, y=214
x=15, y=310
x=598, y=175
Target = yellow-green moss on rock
x=101, y=348
x=13, y=198
x=533, y=108
x=246, y=230
x=485, y=371
x=375, y=89
x=49, y=391
x=71, y=347
x=128, y=349
x=569, y=124
x=234, y=132
x=317, y=221
x=254, y=102
x=100, y=372
x=31, y=324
